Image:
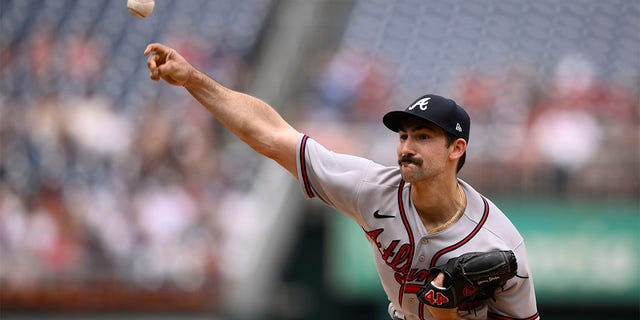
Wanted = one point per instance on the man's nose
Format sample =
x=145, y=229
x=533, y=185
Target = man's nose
x=406, y=148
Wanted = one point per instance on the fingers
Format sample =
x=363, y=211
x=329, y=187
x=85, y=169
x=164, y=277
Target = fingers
x=155, y=52
x=157, y=47
x=439, y=280
x=152, y=64
x=165, y=63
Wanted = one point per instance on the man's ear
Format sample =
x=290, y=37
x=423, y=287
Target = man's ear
x=457, y=149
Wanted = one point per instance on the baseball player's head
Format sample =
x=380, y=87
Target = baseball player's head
x=432, y=112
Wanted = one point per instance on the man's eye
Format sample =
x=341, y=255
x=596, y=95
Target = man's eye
x=403, y=137
x=423, y=137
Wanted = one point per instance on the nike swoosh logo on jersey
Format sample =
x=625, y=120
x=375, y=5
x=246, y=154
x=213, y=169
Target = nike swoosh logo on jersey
x=381, y=216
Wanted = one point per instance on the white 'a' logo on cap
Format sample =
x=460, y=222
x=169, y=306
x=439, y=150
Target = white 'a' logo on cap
x=458, y=127
x=422, y=103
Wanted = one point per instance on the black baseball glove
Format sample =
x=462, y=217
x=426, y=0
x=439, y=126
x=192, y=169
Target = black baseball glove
x=470, y=277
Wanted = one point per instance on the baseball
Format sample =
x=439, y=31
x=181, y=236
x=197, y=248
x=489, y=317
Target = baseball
x=140, y=8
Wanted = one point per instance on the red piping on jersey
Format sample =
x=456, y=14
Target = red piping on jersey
x=405, y=221
x=460, y=243
x=457, y=245
x=499, y=317
x=303, y=167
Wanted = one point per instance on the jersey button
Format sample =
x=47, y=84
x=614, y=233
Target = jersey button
x=424, y=240
x=421, y=258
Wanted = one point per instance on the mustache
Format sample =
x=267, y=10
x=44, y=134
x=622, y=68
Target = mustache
x=409, y=159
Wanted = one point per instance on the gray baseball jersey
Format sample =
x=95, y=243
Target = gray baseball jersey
x=378, y=199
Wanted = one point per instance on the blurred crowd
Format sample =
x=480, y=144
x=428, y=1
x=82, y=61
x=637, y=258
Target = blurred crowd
x=92, y=191
x=108, y=180
x=559, y=133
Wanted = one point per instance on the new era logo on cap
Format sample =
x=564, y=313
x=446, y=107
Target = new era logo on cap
x=443, y=112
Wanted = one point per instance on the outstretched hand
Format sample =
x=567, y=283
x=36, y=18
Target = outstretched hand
x=166, y=63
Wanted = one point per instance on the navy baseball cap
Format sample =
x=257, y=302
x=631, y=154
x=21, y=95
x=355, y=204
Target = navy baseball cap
x=443, y=112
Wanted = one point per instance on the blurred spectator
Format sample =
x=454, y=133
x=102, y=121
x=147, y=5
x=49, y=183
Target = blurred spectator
x=83, y=62
x=347, y=85
x=564, y=130
x=42, y=58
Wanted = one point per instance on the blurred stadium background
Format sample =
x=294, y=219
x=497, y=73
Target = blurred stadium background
x=120, y=198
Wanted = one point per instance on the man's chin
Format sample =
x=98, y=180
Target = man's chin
x=408, y=173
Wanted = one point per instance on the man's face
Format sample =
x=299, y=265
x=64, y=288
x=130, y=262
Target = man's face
x=422, y=150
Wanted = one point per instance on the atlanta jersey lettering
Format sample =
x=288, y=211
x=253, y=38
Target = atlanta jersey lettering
x=376, y=197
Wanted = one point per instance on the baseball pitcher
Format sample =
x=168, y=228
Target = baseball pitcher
x=442, y=250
